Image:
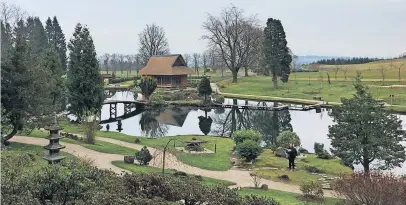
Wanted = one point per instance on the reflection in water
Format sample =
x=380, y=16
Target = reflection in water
x=205, y=122
x=269, y=123
x=310, y=126
x=150, y=126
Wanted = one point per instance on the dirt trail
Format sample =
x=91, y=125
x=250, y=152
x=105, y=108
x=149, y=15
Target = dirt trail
x=103, y=160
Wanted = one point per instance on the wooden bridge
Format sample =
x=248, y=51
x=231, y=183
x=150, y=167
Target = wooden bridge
x=128, y=109
x=271, y=108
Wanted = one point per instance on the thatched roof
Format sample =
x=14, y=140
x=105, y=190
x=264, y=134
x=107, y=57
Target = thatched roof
x=166, y=65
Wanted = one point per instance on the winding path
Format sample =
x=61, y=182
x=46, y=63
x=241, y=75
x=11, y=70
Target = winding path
x=103, y=160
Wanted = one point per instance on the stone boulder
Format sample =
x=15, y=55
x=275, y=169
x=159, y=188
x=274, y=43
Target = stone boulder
x=281, y=152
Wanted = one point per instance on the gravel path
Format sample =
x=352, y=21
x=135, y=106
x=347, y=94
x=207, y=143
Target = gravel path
x=103, y=160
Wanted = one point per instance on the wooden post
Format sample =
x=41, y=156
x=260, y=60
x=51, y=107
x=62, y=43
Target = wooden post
x=215, y=148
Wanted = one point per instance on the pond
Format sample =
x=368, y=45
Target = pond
x=310, y=126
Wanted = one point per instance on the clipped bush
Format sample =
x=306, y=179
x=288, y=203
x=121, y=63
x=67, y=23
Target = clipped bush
x=137, y=140
x=364, y=188
x=258, y=200
x=303, y=150
x=264, y=186
x=180, y=174
x=287, y=138
x=157, y=99
x=321, y=152
x=313, y=169
x=312, y=190
x=249, y=150
x=148, y=86
x=143, y=156
x=242, y=135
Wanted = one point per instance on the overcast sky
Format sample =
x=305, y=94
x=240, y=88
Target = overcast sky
x=313, y=27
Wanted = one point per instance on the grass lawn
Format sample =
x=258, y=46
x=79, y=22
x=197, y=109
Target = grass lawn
x=262, y=86
x=135, y=168
x=285, y=198
x=33, y=149
x=99, y=146
x=268, y=159
x=219, y=161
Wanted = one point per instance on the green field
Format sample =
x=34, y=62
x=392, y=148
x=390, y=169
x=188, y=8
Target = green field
x=218, y=161
x=304, y=89
x=99, y=146
x=371, y=70
x=267, y=159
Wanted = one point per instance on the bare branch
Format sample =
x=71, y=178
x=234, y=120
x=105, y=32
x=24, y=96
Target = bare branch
x=152, y=42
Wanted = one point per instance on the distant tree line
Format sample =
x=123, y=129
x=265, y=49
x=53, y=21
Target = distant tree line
x=120, y=63
x=345, y=61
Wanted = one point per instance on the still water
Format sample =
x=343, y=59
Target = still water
x=310, y=126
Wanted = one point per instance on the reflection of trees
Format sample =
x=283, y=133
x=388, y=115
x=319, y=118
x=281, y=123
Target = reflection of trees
x=205, y=123
x=150, y=126
x=269, y=123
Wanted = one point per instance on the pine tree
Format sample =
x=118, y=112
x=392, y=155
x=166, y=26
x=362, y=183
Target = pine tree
x=276, y=52
x=85, y=84
x=49, y=28
x=60, y=43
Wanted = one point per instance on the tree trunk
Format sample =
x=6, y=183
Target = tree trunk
x=246, y=71
x=222, y=72
x=10, y=135
x=366, y=166
x=234, y=72
x=275, y=81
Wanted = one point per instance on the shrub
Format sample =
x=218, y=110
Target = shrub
x=256, y=179
x=313, y=169
x=180, y=174
x=137, y=140
x=204, y=88
x=143, y=156
x=249, y=150
x=258, y=200
x=303, y=150
x=219, y=99
x=364, y=188
x=157, y=99
x=264, y=186
x=287, y=138
x=242, y=135
x=321, y=152
x=312, y=190
x=148, y=86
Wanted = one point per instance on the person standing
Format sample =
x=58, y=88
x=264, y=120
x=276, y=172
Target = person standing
x=292, y=153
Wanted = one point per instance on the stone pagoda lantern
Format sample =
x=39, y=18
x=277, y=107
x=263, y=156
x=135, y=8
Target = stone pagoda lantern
x=53, y=147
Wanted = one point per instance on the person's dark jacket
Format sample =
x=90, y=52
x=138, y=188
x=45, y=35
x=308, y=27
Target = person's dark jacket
x=292, y=153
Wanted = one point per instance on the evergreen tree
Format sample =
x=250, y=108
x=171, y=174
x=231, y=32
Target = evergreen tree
x=85, y=84
x=364, y=132
x=204, y=88
x=57, y=40
x=60, y=42
x=276, y=52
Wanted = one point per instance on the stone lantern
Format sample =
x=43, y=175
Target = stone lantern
x=53, y=147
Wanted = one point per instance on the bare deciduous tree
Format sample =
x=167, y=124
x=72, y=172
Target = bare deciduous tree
x=12, y=14
x=196, y=61
x=204, y=58
x=336, y=69
x=114, y=61
x=399, y=71
x=252, y=42
x=382, y=68
x=187, y=58
x=106, y=60
x=227, y=33
x=152, y=42
x=345, y=70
